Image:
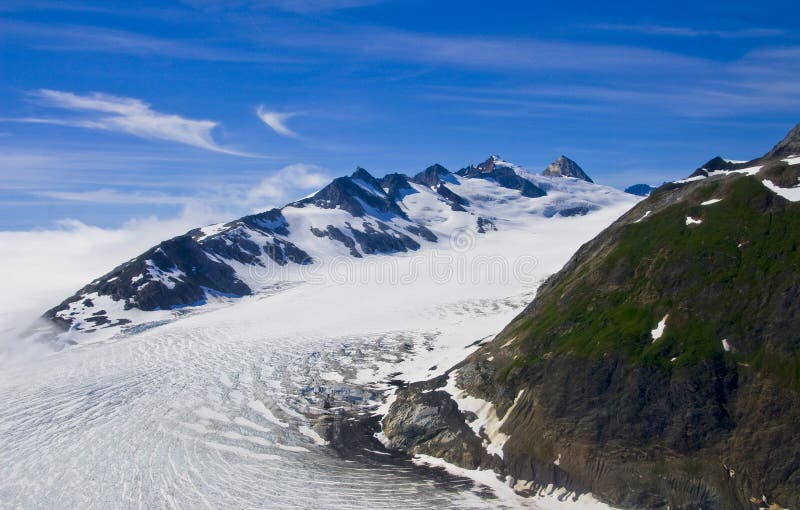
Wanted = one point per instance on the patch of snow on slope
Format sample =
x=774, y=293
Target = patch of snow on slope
x=645, y=215
x=791, y=194
x=751, y=170
x=369, y=188
x=691, y=179
x=211, y=230
x=487, y=423
x=548, y=498
x=693, y=221
x=711, y=201
x=166, y=277
x=659, y=329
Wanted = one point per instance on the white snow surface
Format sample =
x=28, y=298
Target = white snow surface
x=693, y=221
x=658, y=331
x=216, y=408
x=791, y=194
x=711, y=201
x=752, y=170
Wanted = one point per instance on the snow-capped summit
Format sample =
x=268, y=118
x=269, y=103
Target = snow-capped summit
x=565, y=167
x=505, y=174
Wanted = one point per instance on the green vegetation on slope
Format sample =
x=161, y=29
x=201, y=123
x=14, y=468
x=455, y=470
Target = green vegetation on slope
x=721, y=279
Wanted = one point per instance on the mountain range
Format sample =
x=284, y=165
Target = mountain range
x=352, y=216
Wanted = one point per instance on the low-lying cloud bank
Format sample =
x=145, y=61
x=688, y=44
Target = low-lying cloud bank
x=39, y=268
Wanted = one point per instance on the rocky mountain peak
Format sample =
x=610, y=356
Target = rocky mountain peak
x=432, y=176
x=716, y=164
x=789, y=146
x=565, y=167
x=366, y=177
x=353, y=194
x=504, y=174
x=491, y=162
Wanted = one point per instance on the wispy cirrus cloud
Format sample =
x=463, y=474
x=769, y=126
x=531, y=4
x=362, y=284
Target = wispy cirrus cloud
x=229, y=199
x=487, y=53
x=681, y=31
x=295, y=6
x=277, y=121
x=93, y=39
x=128, y=115
x=113, y=196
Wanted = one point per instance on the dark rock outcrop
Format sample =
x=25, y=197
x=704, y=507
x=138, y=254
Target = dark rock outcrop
x=433, y=176
x=396, y=186
x=565, y=167
x=360, y=194
x=789, y=146
x=337, y=235
x=641, y=190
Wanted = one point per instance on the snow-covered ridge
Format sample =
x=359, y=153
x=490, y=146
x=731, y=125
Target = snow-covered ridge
x=353, y=217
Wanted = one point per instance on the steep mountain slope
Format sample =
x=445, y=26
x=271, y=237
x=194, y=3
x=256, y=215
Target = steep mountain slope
x=660, y=368
x=353, y=216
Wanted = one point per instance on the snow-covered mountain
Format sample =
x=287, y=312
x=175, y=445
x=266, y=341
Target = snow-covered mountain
x=353, y=216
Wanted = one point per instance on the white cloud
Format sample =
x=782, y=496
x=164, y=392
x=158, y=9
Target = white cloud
x=131, y=116
x=278, y=188
x=277, y=121
x=39, y=268
x=289, y=183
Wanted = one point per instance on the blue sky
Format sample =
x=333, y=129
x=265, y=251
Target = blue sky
x=207, y=110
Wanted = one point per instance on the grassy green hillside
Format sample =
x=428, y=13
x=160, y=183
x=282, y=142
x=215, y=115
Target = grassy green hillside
x=734, y=277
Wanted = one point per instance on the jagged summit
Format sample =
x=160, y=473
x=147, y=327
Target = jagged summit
x=565, y=167
x=357, y=194
x=788, y=147
x=433, y=176
x=504, y=174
